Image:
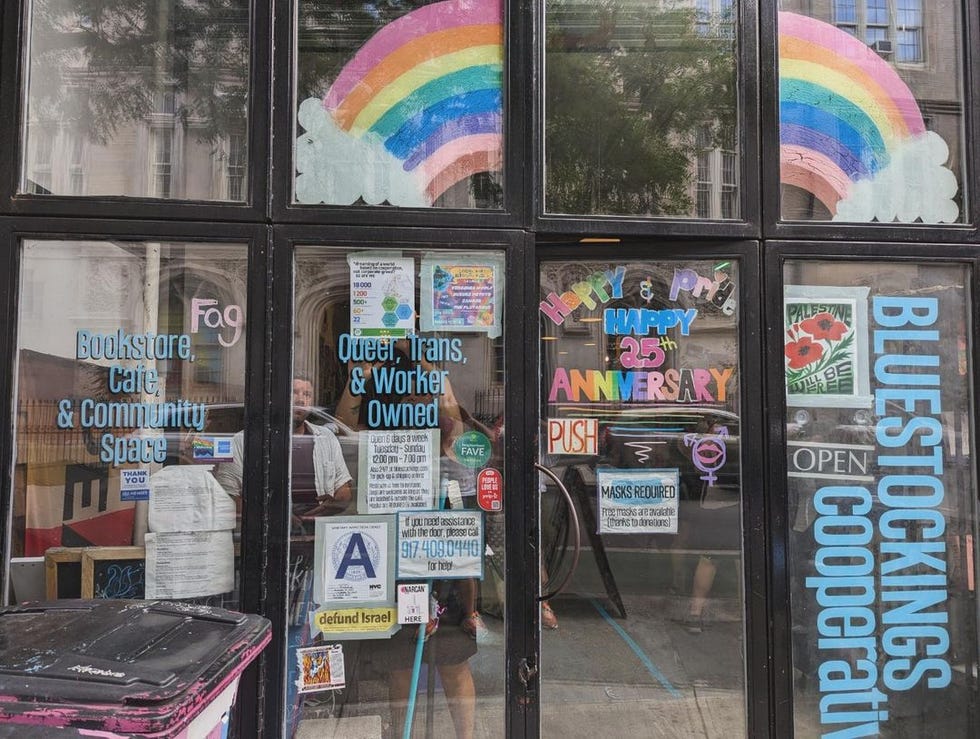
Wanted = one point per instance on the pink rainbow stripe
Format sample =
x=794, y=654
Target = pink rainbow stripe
x=435, y=17
x=459, y=159
x=812, y=171
x=832, y=40
x=453, y=150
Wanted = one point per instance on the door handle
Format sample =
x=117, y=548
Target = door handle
x=575, y=528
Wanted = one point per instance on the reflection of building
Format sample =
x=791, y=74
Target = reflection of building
x=143, y=105
x=162, y=155
x=921, y=41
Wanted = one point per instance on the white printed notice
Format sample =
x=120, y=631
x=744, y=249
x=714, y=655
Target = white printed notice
x=400, y=470
x=352, y=562
x=637, y=501
x=382, y=292
x=189, y=564
x=413, y=602
x=440, y=544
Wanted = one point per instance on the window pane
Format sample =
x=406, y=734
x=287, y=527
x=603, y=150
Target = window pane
x=854, y=146
x=109, y=74
x=400, y=103
x=910, y=46
x=643, y=429
x=130, y=391
x=877, y=12
x=882, y=498
x=410, y=442
x=628, y=88
x=845, y=11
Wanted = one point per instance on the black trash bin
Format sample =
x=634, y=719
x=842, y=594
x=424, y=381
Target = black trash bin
x=123, y=668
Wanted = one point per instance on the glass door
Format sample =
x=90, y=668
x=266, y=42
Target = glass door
x=395, y=623
x=642, y=613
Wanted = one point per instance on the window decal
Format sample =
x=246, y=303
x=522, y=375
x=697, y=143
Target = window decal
x=417, y=110
x=851, y=132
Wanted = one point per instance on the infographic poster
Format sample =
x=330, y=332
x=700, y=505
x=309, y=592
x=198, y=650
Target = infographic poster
x=382, y=289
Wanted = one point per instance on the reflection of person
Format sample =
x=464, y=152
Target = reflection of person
x=320, y=481
x=449, y=649
x=319, y=486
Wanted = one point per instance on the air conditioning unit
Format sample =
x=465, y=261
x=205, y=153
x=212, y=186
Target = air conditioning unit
x=883, y=47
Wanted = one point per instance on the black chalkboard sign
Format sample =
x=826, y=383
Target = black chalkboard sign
x=63, y=572
x=114, y=572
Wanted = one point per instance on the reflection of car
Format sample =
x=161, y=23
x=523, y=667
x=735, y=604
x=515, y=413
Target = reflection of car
x=223, y=421
x=702, y=442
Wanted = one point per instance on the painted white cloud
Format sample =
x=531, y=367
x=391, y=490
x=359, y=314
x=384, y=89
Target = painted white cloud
x=337, y=169
x=915, y=185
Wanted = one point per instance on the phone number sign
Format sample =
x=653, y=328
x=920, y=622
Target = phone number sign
x=440, y=544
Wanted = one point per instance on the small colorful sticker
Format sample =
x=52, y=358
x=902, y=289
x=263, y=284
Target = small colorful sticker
x=320, y=668
x=490, y=490
x=472, y=450
x=211, y=448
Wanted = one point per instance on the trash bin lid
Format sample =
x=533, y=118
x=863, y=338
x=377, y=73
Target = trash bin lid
x=136, y=653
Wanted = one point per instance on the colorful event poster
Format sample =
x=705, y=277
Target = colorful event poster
x=320, y=668
x=351, y=563
x=637, y=501
x=462, y=293
x=399, y=470
x=440, y=544
x=382, y=289
x=825, y=346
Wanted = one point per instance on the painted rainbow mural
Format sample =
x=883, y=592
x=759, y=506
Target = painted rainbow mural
x=429, y=86
x=843, y=111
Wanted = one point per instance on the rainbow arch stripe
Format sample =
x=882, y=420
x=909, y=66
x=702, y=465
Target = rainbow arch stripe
x=429, y=85
x=842, y=109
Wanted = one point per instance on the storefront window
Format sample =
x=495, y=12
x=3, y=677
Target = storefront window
x=882, y=498
x=640, y=422
x=400, y=103
x=142, y=98
x=130, y=388
x=396, y=546
x=871, y=111
x=641, y=108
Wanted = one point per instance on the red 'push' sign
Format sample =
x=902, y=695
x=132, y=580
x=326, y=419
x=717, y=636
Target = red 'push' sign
x=490, y=490
x=573, y=435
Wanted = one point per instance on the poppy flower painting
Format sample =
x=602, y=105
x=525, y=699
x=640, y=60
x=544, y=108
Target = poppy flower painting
x=819, y=349
x=803, y=352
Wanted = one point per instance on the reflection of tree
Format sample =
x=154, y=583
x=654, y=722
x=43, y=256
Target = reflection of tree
x=628, y=87
x=98, y=64
x=330, y=33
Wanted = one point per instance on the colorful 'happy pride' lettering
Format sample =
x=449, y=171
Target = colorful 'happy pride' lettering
x=557, y=307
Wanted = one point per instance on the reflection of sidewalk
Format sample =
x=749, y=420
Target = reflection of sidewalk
x=645, y=675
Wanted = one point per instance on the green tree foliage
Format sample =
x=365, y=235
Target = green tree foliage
x=97, y=65
x=628, y=87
